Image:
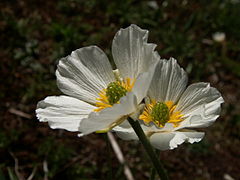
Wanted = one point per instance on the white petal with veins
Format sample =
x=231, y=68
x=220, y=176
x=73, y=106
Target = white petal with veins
x=142, y=83
x=63, y=112
x=200, y=104
x=171, y=140
x=131, y=52
x=169, y=81
x=84, y=73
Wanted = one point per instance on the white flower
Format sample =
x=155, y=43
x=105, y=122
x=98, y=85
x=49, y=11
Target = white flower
x=219, y=37
x=172, y=110
x=153, y=4
x=97, y=99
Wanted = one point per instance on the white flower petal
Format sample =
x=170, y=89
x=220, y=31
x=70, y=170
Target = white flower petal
x=131, y=52
x=142, y=83
x=169, y=81
x=63, y=112
x=103, y=119
x=161, y=140
x=200, y=104
x=170, y=140
x=84, y=73
x=127, y=136
x=151, y=127
x=125, y=133
x=194, y=136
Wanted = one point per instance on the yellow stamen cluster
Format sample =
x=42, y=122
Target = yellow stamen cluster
x=112, y=94
x=161, y=113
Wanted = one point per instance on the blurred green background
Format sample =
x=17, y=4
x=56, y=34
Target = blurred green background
x=36, y=33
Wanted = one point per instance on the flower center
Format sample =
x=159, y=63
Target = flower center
x=161, y=113
x=113, y=93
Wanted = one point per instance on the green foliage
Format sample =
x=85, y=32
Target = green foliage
x=78, y=170
x=201, y=148
x=56, y=154
x=11, y=174
x=235, y=126
x=4, y=141
x=2, y=176
x=6, y=138
x=66, y=36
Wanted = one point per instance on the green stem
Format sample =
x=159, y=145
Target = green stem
x=147, y=146
x=153, y=171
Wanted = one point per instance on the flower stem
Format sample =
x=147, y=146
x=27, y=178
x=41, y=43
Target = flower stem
x=149, y=149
